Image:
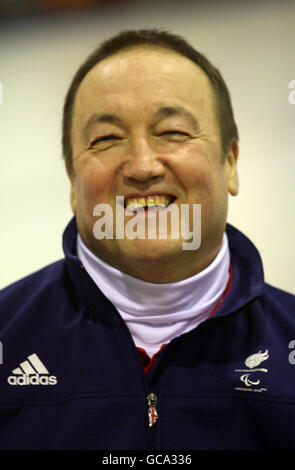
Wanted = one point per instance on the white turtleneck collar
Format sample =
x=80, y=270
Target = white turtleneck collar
x=157, y=313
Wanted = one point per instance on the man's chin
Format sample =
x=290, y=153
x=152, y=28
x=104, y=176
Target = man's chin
x=123, y=252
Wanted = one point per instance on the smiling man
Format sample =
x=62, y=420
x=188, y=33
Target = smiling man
x=156, y=135
x=148, y=342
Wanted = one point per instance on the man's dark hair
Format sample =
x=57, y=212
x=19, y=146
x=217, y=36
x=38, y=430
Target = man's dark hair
x=154, y=38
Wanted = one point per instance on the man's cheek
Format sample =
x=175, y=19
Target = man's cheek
x=91, y=185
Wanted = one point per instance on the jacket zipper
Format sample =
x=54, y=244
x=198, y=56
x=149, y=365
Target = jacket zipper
x=152, y=399
x=153, y=416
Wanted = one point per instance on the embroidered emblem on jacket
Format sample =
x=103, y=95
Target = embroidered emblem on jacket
x=256, y=359
x=252, y=362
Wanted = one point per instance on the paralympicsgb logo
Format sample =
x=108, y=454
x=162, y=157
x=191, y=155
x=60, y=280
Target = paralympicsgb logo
x=252, y=362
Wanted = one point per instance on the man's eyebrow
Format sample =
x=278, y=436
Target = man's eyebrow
x=162, y=112
x=167, y=111
x=103, y=117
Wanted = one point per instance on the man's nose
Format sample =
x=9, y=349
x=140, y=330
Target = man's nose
x=142, y=162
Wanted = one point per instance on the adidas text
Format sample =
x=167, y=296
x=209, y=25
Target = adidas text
x=32, y=380
x=32, y=371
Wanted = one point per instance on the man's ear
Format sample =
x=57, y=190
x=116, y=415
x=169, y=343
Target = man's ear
x=231, y=168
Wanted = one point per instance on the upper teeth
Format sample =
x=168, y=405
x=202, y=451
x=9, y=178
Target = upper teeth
x=161, y=201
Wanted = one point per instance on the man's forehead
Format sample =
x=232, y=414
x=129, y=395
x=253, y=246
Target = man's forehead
x=162, y=78
x=143, y=64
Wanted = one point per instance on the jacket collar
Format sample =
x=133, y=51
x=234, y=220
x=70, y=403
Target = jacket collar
x=246, y=263
x=248, y=276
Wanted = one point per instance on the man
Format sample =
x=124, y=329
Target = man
x=148, y=342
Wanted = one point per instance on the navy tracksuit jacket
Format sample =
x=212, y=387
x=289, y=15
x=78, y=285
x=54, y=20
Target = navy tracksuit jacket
x=71, y=376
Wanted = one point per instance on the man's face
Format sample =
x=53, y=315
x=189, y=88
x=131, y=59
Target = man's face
x=144, y=123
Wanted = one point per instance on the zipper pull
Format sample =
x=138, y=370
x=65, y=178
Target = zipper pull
x=152, y=413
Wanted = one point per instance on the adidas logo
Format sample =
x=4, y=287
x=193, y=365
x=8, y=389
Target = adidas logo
x=31, y=372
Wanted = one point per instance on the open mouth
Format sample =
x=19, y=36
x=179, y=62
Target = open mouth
x=156, y=202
